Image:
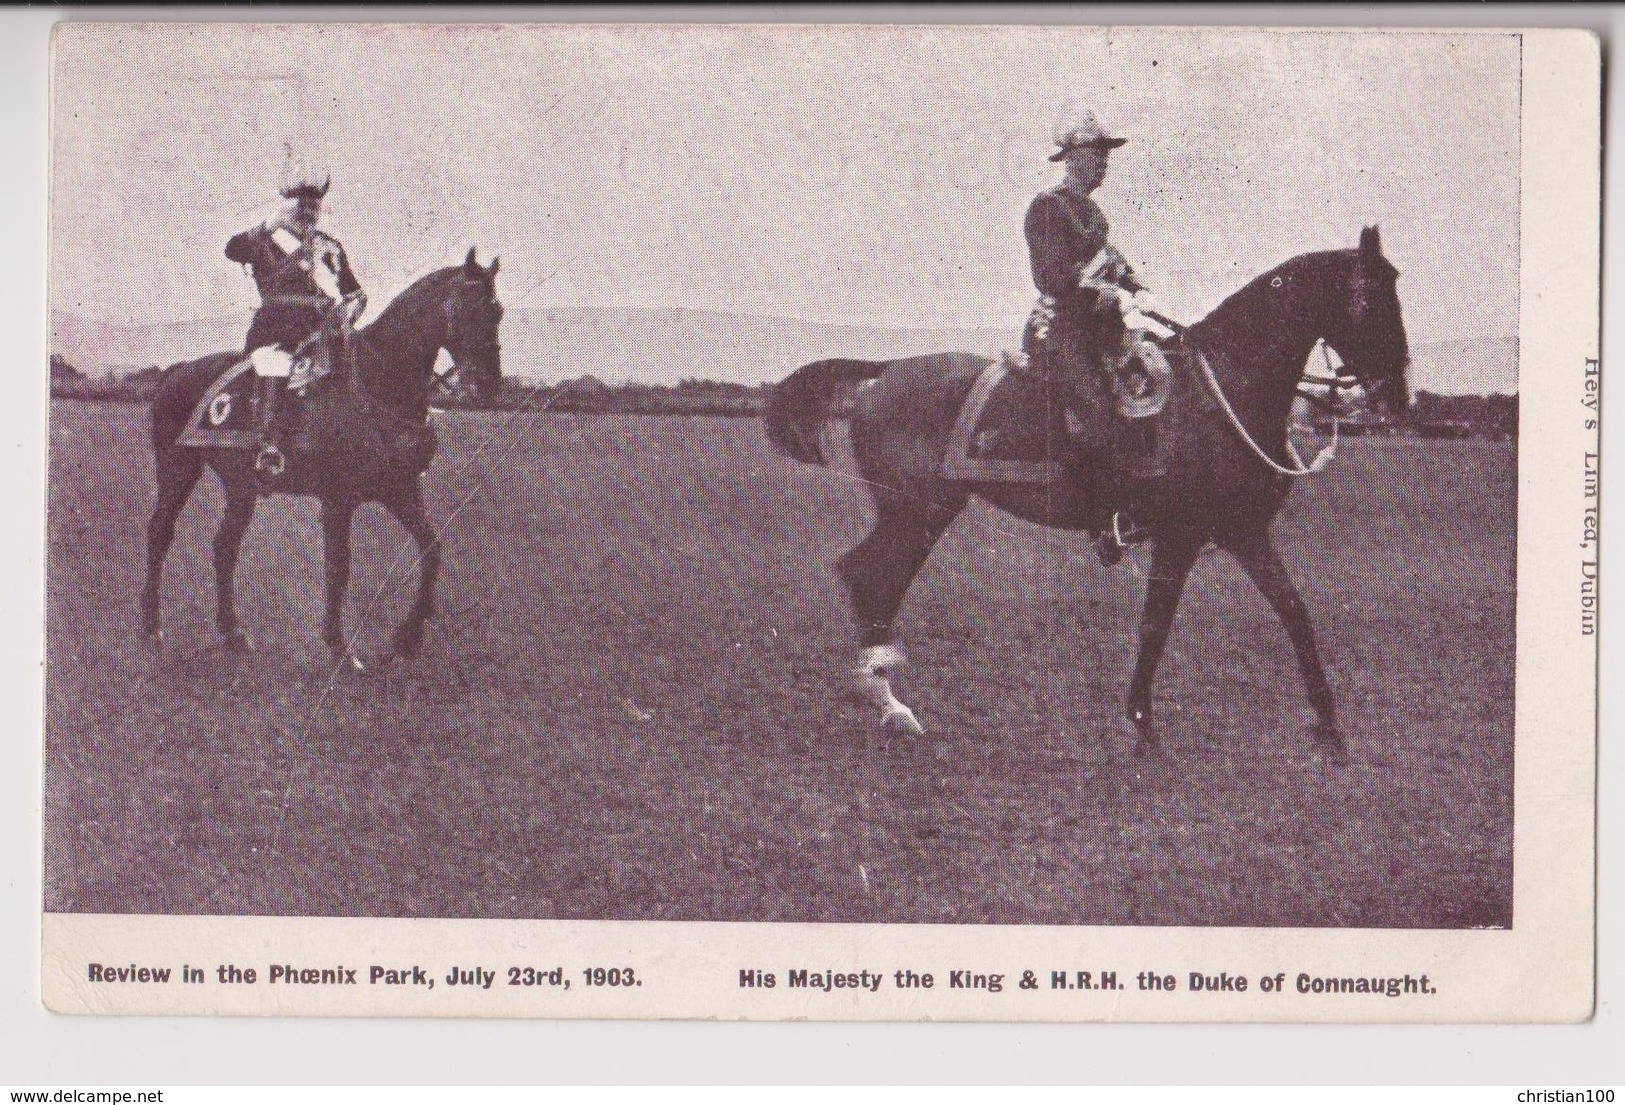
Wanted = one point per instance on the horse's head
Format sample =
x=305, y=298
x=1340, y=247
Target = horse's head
x=473, y=316
x=1367, y=329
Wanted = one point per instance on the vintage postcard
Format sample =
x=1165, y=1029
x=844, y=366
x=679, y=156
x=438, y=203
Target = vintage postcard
x=822, y=522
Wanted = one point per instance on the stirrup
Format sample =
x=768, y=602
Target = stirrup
x=1124, y=538
x=270, y=462
x=1110, y=544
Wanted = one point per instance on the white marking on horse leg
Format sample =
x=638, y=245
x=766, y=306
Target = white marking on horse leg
x=875, y=665
x=880, y=659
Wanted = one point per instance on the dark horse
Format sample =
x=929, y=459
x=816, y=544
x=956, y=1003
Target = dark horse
x=1218, y=486
x=363, y=436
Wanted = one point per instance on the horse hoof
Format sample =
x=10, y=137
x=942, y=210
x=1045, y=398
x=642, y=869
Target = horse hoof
x=901, y=720
x=1147, y=741
x=1330, y=744
x=344, y=658
x=407, y=644
x=239, y=642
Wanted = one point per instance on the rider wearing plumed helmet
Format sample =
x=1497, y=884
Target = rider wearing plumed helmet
x=300, y=273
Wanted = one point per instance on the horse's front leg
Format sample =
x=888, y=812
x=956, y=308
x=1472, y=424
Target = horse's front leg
x=407, y=508
x=1171, y=562
x=336, y=517
x=1258, y=558
x=228, y=543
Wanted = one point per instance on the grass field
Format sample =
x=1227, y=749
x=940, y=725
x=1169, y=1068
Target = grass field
x=635, y=704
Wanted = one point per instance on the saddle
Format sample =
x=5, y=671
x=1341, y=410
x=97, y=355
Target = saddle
x=1019, y=424
x=225, y=418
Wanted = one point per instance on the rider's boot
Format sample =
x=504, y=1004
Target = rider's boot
x=270, y=461
x=1108, y=549
x=1144, y=465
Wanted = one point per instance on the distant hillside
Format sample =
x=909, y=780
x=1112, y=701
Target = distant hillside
x=98, y=348
x=666, y=347
x=637, y=346
x=1480, y=366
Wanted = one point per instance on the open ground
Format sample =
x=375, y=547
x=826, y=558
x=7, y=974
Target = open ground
x=634, y=704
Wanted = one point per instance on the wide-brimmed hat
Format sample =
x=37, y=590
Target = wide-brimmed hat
x=1079, y=130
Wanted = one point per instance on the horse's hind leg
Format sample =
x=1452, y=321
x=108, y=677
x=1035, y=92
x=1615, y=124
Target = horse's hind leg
x=228, y=543
x=1258, y=558
x=178, y=471
x=408, y=511
x=877, y=573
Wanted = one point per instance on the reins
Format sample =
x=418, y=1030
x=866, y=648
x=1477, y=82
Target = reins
x=1323, y=459
x=371, y=403
x=1331, y=379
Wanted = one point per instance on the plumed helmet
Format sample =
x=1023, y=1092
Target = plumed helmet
x=1080, y=128
x=301, y=177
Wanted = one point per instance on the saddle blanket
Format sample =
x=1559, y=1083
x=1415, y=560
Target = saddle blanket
x=224, y=417
x=1017, y=453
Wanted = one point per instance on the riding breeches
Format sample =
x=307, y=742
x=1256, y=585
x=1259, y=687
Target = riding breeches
x=1072, y=355
x=272, y=361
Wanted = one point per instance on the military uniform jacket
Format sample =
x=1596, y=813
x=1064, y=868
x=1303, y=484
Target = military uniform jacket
x=290, y=282
x=1065, y=232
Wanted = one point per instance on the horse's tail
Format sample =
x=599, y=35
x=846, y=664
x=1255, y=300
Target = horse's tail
x=799, y=404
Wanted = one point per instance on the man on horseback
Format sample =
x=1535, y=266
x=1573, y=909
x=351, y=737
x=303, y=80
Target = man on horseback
x=300, y=273
x=1076, y=337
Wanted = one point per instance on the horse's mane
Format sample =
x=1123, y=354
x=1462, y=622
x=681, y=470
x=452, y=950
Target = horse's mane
x=408, y=302
x=1245, y=304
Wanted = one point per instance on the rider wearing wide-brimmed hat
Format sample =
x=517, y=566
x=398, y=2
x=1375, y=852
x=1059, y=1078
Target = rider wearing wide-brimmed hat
x=1076, y=330
x=300, y=273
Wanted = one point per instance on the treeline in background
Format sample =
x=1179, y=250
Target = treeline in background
x=1493, y=416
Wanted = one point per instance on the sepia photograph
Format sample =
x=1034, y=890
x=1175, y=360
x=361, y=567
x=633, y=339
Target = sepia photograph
x=1057, y=478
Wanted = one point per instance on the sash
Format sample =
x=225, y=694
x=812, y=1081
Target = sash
x=320, y=260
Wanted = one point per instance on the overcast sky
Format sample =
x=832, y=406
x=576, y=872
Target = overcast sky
x=843, y=174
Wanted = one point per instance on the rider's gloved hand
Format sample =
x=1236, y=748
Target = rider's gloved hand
x=1145, y=301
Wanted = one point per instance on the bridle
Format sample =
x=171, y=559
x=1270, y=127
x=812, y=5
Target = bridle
x=1332, y=381
x=445, y=383
x=1324, y=390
